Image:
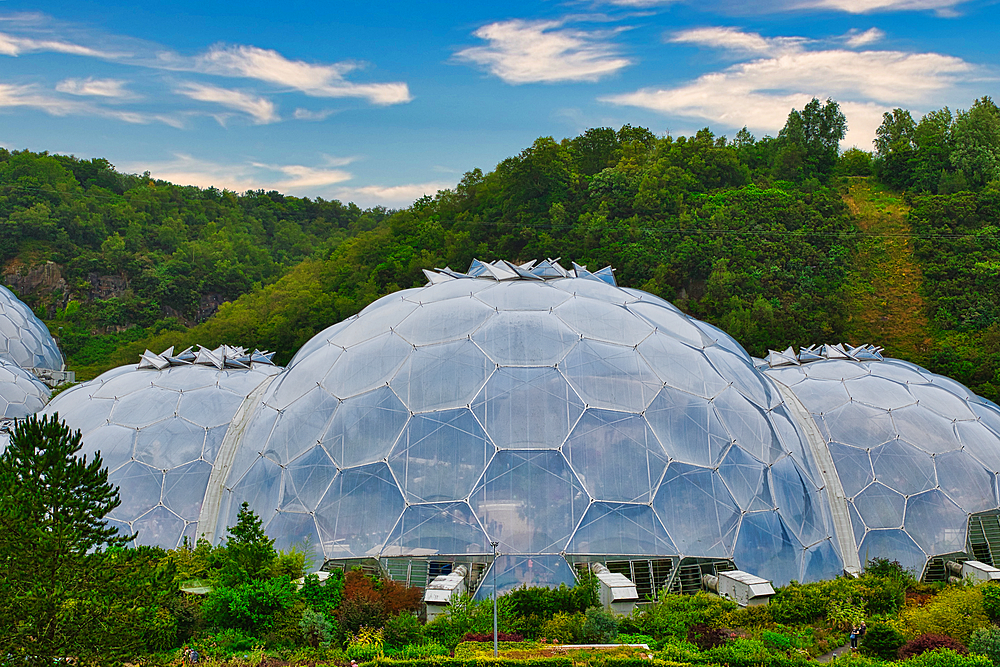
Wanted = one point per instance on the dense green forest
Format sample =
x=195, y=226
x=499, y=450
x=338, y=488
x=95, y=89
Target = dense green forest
x=763, y=237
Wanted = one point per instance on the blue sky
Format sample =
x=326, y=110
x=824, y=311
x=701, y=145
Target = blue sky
x=381, y=102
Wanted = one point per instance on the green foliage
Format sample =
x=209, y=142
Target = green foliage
x=546, y=602
x=250, y=606
x=882, y=641
x=56, y=600
x=249, y=554
x=600, y=627
x=672, y=616
x=403, y=630
x=323, y=596
x=956, y=612
x=776, y=641
x=991, y=601
x=317, y=628
x=986, y=641
x=946, y=658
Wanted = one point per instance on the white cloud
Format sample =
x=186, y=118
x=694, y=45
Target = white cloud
x=760, y=92
x=734, y=39
x=12, y=45
x=855, y=39
x=304, y=177
x=543, y=52
x=315, y=80
x=95, y=87
x=32, y=97
x=390, y=196
x=260, y=109
x=944, y=7
x=306, y=114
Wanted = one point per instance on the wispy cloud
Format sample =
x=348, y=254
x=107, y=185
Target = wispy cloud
x=34, y=97
x=12, y=45
x=94, y=87
x=942, y=7
x=759, y=92
x=734, y=39
x=259, y=108
x=543, y=52
x=390, y=196
x=856, y=39
x=307, y=114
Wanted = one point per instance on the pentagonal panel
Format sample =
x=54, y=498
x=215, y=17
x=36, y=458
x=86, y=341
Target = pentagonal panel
x=437, y=377
x=440, y=456
x=616, y=456
x=854, y=467
x=518, y=295
x=184, y=489
x=358, y=512
x=927, y=430
x=367, y=365
x=681, y=366
x=670, y=322
x=798, y=501
x=747, y=480
x=144, y=484
x=115, y=443
x=858, y=425
x=935, y=523
x=697, y=510
x=747, y=425
x=765, y=544
x=597, y=320
x=439, y=528
x=301, y=425
x=529, y=501
x=525, y=338
x=209, y=407
x=169, y=443
x=941, y=401
x=880, y=507
x=444, y=321
x=295, y=530
x=159, y=527
x=902, y=467
x=621, y=529
x=879, y=392
x=142, y=408
x=306, y=480
x=364, y=428
x=688, y=427
x=527, y=408
x=610, y=376
x=835, y=369
x=966, y=481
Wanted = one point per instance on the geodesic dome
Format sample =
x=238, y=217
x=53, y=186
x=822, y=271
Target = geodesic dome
x=159, y=427
x=21, y=393
x=915, y=453
x=541, y=408
x=24, y=339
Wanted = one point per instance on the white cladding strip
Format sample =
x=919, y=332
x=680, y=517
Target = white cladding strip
x=831, y=481
x=208, y=519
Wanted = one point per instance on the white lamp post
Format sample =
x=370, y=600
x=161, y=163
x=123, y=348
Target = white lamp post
x=494, y=568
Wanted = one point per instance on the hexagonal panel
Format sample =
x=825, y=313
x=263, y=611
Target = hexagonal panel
x=616, y=456
x=365, y=427
x=527, y=408
x=438, y=528
x=115, y=443
x=893, y=545
x=981, y=442
x=835, y=369
x=743, y=376
x=747, y=425
x=697, y=510
x=306, y=479
x=822, y=396
x=169, y=443
x=880, y=507
x=765, y=544
x=295, y=530
x=144, y=484
x=858, y=425
x=927, y=430
x=941, y=401
x=358, y=512
x=440, y=456
x=799, y=502
x=935, y=523
x=142, y=408
x=209, y=407
x=159, y=526
x=184, y=489
x=821, y=561
x=525, y=338
x=966, y=481
x=610, y=376
x=681, y=366
x=444, y=321
x=670, y=322
x=688, y=427
x=854, y=467
x=597, y=320
x=902, y=467
x=438, y=377
x=295, y=383
x=367, y=365
x=522, y=296
x=879, y=392
x=529, y=501
x=301, y=425
x=621, y=529
x=747, y=480
x=374, y=322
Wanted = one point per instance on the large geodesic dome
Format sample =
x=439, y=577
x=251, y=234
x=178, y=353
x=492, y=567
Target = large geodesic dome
x=544, y=409
x=915, y=453
x=24, y=339
x=21, y=395
x=159, y=427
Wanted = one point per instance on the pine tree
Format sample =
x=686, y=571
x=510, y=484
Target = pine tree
x=53, y=505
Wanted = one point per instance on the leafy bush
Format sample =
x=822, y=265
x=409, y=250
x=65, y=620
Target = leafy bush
x=251, y=606
x=414, y=652
x=564, y=628
x=777, y=641
x=955, y=611
x=232, y=640
x=316, y=628
x=546, y=602
x=488, y=637
x=600, y=627
x=673, y=615
x=882, y=641
x=928, y=642
x=370, y=601
x=323, y=596
x=986, y=641
x=705, y=636
x=991, y=601
x=403, y=630
x=947, y=658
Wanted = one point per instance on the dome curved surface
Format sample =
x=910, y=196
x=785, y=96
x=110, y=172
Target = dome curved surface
x=159, y=431
x=21, y=393
x=555, y=414
x=24, y=339
x=916, y=453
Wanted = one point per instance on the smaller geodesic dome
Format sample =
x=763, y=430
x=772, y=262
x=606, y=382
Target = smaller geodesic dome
x=21, y=393
x=915, y=453
x=24, y=339
x=159, y=427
